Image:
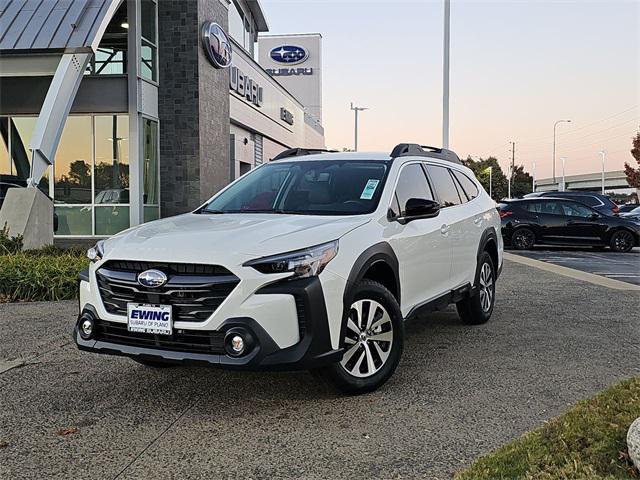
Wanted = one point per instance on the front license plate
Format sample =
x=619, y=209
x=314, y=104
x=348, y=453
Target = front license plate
x=155, y=319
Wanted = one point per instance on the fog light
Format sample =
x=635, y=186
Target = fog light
x=87, y=327
x=237, y=344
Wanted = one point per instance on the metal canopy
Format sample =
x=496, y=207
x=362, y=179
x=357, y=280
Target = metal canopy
x=53, y=26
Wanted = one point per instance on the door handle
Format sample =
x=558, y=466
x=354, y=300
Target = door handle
x=445, y=229
x=478, y=221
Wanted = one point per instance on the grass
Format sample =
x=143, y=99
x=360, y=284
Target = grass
x=586, y=443
x=40, y=275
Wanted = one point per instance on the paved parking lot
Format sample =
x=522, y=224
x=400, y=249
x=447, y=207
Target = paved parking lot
x=459, y=392
x=618, y=266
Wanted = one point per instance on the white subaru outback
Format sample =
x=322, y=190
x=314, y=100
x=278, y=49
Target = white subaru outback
x=312, y=261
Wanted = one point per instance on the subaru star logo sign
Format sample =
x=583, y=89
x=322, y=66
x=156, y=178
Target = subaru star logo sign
x=217, y=45
x=152, y=278
x=289, y=54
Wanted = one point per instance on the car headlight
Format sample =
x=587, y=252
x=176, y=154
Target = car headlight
x=96, y=252
x=305, y=263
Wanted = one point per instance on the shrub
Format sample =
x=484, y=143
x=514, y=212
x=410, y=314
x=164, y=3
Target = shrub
x=37, y=276
x=9, y=244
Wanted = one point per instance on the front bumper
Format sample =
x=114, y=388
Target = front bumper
x=313, y=350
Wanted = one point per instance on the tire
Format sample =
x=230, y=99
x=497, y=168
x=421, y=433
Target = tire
x=622, y=241
x=478, y=308
x=368, y=362
x=154, y=363
x=523, y=239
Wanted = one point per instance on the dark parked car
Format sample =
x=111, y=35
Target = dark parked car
x=559, y=221
x=632, y=214
x=628, y=207
x=600, y=202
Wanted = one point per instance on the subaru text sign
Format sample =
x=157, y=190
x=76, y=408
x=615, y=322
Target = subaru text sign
x=289, y=54
x=217, y=44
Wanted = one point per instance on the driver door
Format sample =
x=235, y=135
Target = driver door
x=423, y=249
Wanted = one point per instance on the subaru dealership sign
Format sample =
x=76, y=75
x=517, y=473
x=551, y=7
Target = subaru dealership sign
x=289, y=54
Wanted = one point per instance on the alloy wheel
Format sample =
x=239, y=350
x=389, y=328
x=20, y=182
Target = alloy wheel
x=486, y=287
x=524, y=239
x=368, y=339
x=623, y=241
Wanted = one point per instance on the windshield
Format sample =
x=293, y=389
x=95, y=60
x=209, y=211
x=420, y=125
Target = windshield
x=331, y=187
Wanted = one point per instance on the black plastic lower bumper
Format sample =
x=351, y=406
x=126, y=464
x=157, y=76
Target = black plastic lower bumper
x=313, y=350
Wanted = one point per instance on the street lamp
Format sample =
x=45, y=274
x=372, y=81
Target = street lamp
x=357, y=110
x=564, y=185
x=603, y=153
x=445, y=74
x=554, y=146
x=533, y=186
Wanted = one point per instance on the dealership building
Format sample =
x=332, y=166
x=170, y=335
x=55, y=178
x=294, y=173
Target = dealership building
x=173, y=100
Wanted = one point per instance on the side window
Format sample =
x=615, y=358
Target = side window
x=588, y=200
x=532, y=207
x=576, y=210
x=395, y=206
x=443, y=184
x=552, y=207
x=411, y=184
x=468, y=185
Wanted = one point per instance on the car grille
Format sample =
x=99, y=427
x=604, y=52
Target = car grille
x=194, y=291
x=181, y=341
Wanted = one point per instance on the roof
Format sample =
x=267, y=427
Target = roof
x=48, y=26
x=258, y=15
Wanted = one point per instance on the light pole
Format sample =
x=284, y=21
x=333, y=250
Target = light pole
x=554, y=146
x=445, y=74
x=357, y=110
x=564, y=185
x=490, y=181
x=604, y=154
x=533, y=187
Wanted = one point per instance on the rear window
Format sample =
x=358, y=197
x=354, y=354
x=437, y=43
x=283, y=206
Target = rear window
x=469, y=187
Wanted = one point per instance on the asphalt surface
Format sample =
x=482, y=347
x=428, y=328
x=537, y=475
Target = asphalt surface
x=459, y=392
x=618, y=266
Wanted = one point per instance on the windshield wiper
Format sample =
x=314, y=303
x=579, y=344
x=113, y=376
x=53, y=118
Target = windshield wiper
x=212, y=212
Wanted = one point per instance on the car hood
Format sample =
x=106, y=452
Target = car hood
x=217, y=238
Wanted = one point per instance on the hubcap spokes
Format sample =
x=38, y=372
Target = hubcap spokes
x=486, y=287
x=368, y=339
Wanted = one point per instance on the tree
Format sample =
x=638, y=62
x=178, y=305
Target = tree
x=499, y=179
x=633, y=174
x=522, y=182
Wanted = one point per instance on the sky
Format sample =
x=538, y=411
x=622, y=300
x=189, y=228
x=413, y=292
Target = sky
x=516, y=68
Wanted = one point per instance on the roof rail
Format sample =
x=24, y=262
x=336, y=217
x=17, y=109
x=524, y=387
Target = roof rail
x=300, y=152
x=415, y=150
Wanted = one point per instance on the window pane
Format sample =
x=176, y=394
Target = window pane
x=443, y=185
x=412, y=184
x=148, y=20
x=552, y=208
x=112, y=159
x=72, y=165
x=148, y=61
x=151, y=165
x=576, y=210
x=73, y=220
x=21, y=132
x=236, y=23
x=470, y=188
x=5, y=167
x=151, y=214
x=111, y=220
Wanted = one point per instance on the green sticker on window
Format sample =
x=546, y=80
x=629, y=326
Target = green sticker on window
x=369, y=189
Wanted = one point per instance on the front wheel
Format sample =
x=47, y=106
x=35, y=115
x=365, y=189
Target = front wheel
x=477, y=308
x=373, y=341
x=622, y=241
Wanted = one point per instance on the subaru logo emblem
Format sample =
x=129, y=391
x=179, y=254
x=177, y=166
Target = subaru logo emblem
x=217, y=45
x=289, y=54
x=152, y=278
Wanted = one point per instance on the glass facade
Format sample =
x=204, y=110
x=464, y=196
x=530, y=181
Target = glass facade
x=111, y=56
x=149, y=39
x=242, y=27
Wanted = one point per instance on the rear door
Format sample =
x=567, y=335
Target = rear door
x=423, y=250
x=462, y=221
x=553, y=222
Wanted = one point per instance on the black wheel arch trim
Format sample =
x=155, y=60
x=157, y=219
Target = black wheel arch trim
x=489, y=235
x=380, y=252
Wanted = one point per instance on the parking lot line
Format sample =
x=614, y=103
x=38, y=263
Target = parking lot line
x=572, y=273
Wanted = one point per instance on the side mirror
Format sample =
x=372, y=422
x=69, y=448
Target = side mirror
x=418, y=208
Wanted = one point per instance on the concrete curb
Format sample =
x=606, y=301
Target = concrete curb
x=570, y=272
